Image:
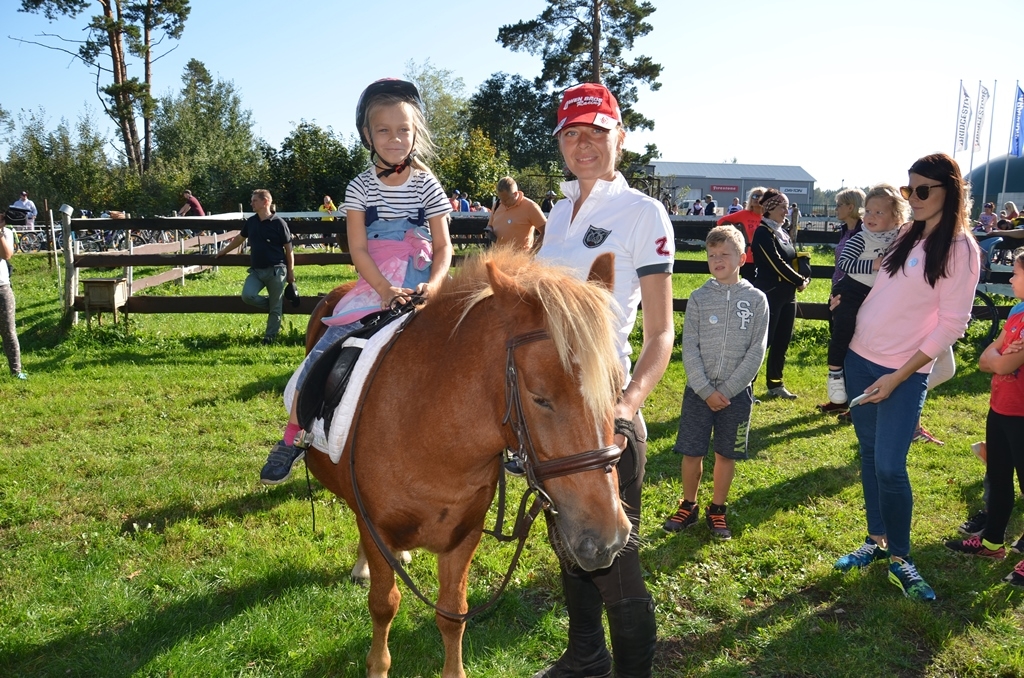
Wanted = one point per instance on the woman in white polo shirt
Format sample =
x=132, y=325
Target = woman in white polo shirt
x=601, y=213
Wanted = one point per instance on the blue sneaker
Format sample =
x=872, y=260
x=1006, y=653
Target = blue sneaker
x=904, y=575
x=868, y=553
x=279, y=463
x=21, y=375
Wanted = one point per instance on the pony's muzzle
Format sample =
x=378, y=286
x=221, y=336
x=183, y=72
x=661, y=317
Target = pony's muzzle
x=593, y=553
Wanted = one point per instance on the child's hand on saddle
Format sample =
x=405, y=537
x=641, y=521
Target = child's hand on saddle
x=393, y=294
x=424, y=290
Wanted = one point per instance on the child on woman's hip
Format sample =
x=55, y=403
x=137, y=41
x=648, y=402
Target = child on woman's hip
x=884, y=211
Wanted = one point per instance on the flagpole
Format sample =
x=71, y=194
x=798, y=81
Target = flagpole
x=988, y=153
x=956, y=133
x=1009, y=143
x=971, y=167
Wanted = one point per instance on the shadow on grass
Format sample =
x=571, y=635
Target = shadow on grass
x=825, y=624
x=664, y=552
x=124, y=649
x=159, y=519
x=419, y=651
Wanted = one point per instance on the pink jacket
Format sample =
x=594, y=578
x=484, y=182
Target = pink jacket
x=393, y=258
x=903, y=314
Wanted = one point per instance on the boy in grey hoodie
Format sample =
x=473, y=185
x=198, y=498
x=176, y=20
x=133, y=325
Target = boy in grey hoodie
x=725, y=332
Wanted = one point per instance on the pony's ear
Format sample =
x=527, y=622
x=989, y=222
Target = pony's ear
x=602, y=271
x=501, y=282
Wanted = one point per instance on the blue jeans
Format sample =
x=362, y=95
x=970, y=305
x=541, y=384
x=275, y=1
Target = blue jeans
x=273, y=279
x=333, y=335
x=885, y=431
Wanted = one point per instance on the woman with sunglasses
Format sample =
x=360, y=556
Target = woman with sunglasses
x=918, y=307
x=773, y=254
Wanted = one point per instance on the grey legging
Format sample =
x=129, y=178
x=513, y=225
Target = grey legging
x=8, y=334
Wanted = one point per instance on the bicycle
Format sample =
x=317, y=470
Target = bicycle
x=985, y=309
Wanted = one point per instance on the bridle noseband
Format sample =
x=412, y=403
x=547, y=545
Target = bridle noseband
x=538, y=471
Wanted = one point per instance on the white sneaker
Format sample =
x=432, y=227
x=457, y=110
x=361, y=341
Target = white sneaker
x=836, y=390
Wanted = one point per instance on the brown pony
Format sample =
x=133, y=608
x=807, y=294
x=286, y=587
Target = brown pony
x=430, y=435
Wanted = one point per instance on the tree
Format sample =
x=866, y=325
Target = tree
x=445, y=104
x=474, y=167
x=314, y=162
x=517, y=118
x=466, y=158
x=205, y=141
x=64, y=165
x=584, y=41
x=122, y=28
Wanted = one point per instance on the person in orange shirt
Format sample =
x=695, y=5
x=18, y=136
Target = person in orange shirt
x=747, y=220
x=516, y=218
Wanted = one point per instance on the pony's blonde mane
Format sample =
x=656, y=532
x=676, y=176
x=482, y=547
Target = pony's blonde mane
x=578, y=317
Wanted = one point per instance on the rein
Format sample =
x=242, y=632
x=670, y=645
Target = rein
x=536, y=472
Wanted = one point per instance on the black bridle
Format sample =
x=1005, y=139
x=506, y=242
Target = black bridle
x=536, y=473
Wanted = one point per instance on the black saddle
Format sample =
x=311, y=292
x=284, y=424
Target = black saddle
x=328, y=376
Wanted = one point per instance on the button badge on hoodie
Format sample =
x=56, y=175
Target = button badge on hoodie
x=713, y=320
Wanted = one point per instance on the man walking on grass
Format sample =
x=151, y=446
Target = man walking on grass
x=273, y=263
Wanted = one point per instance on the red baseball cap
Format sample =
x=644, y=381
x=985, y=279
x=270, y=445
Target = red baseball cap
x=588, y=104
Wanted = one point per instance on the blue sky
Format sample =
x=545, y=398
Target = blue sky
x=853, y=93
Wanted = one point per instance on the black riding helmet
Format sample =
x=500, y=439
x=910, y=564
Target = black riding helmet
x=402, y=89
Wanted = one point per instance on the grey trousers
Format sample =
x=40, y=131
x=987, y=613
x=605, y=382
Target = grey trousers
x=273, y=279
x=8, y=333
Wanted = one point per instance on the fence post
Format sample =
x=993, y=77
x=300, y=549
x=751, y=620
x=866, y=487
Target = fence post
x=181, y=250
x=129, y=271
x=71, y=277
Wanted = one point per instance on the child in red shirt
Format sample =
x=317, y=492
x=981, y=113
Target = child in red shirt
x=1004, y=432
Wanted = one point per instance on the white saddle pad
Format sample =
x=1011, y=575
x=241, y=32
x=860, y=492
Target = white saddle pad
x=343, y=414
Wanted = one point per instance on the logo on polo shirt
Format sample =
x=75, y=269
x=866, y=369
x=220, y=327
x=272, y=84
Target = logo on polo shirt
x=595, y=236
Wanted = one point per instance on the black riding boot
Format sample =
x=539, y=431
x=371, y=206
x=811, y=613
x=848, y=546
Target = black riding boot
x=587, y=655
x=634, y=631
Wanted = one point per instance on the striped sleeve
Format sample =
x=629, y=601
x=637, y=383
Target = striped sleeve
x=355, y=195
x=434, y=200
x=850, y=260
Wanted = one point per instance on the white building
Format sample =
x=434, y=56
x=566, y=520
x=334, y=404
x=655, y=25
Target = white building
x=682, y=182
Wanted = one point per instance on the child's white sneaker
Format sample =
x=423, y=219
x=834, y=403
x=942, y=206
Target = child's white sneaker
x=837, y=389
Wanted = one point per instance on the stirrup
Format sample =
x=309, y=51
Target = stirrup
x=303, y=439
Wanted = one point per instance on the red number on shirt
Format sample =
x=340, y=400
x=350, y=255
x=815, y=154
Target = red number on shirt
x=662, y=247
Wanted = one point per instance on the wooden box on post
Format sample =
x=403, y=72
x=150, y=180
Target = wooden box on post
x=104, y=294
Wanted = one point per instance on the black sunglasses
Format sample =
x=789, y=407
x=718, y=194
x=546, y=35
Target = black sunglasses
x=922, y=191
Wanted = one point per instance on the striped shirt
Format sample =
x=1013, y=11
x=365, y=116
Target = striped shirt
x=861, y=251
x=420, y=190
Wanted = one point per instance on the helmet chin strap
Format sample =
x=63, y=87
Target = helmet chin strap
x=388, y=169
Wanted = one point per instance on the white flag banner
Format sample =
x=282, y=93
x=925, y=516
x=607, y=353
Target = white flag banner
x=964, y=122
x=981, y=118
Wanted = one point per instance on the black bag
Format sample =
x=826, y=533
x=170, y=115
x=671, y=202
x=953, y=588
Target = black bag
x=802, y=264
x=291, y=293
x=16, y=216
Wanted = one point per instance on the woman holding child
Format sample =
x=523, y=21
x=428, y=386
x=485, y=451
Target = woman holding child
x=601, y=213
x=919, y=305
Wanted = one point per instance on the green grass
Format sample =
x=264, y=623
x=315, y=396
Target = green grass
x=137, y=541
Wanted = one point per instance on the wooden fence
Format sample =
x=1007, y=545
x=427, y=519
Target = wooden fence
x=466, y=229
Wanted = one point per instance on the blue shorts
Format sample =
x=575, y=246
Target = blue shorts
x=730, y=426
